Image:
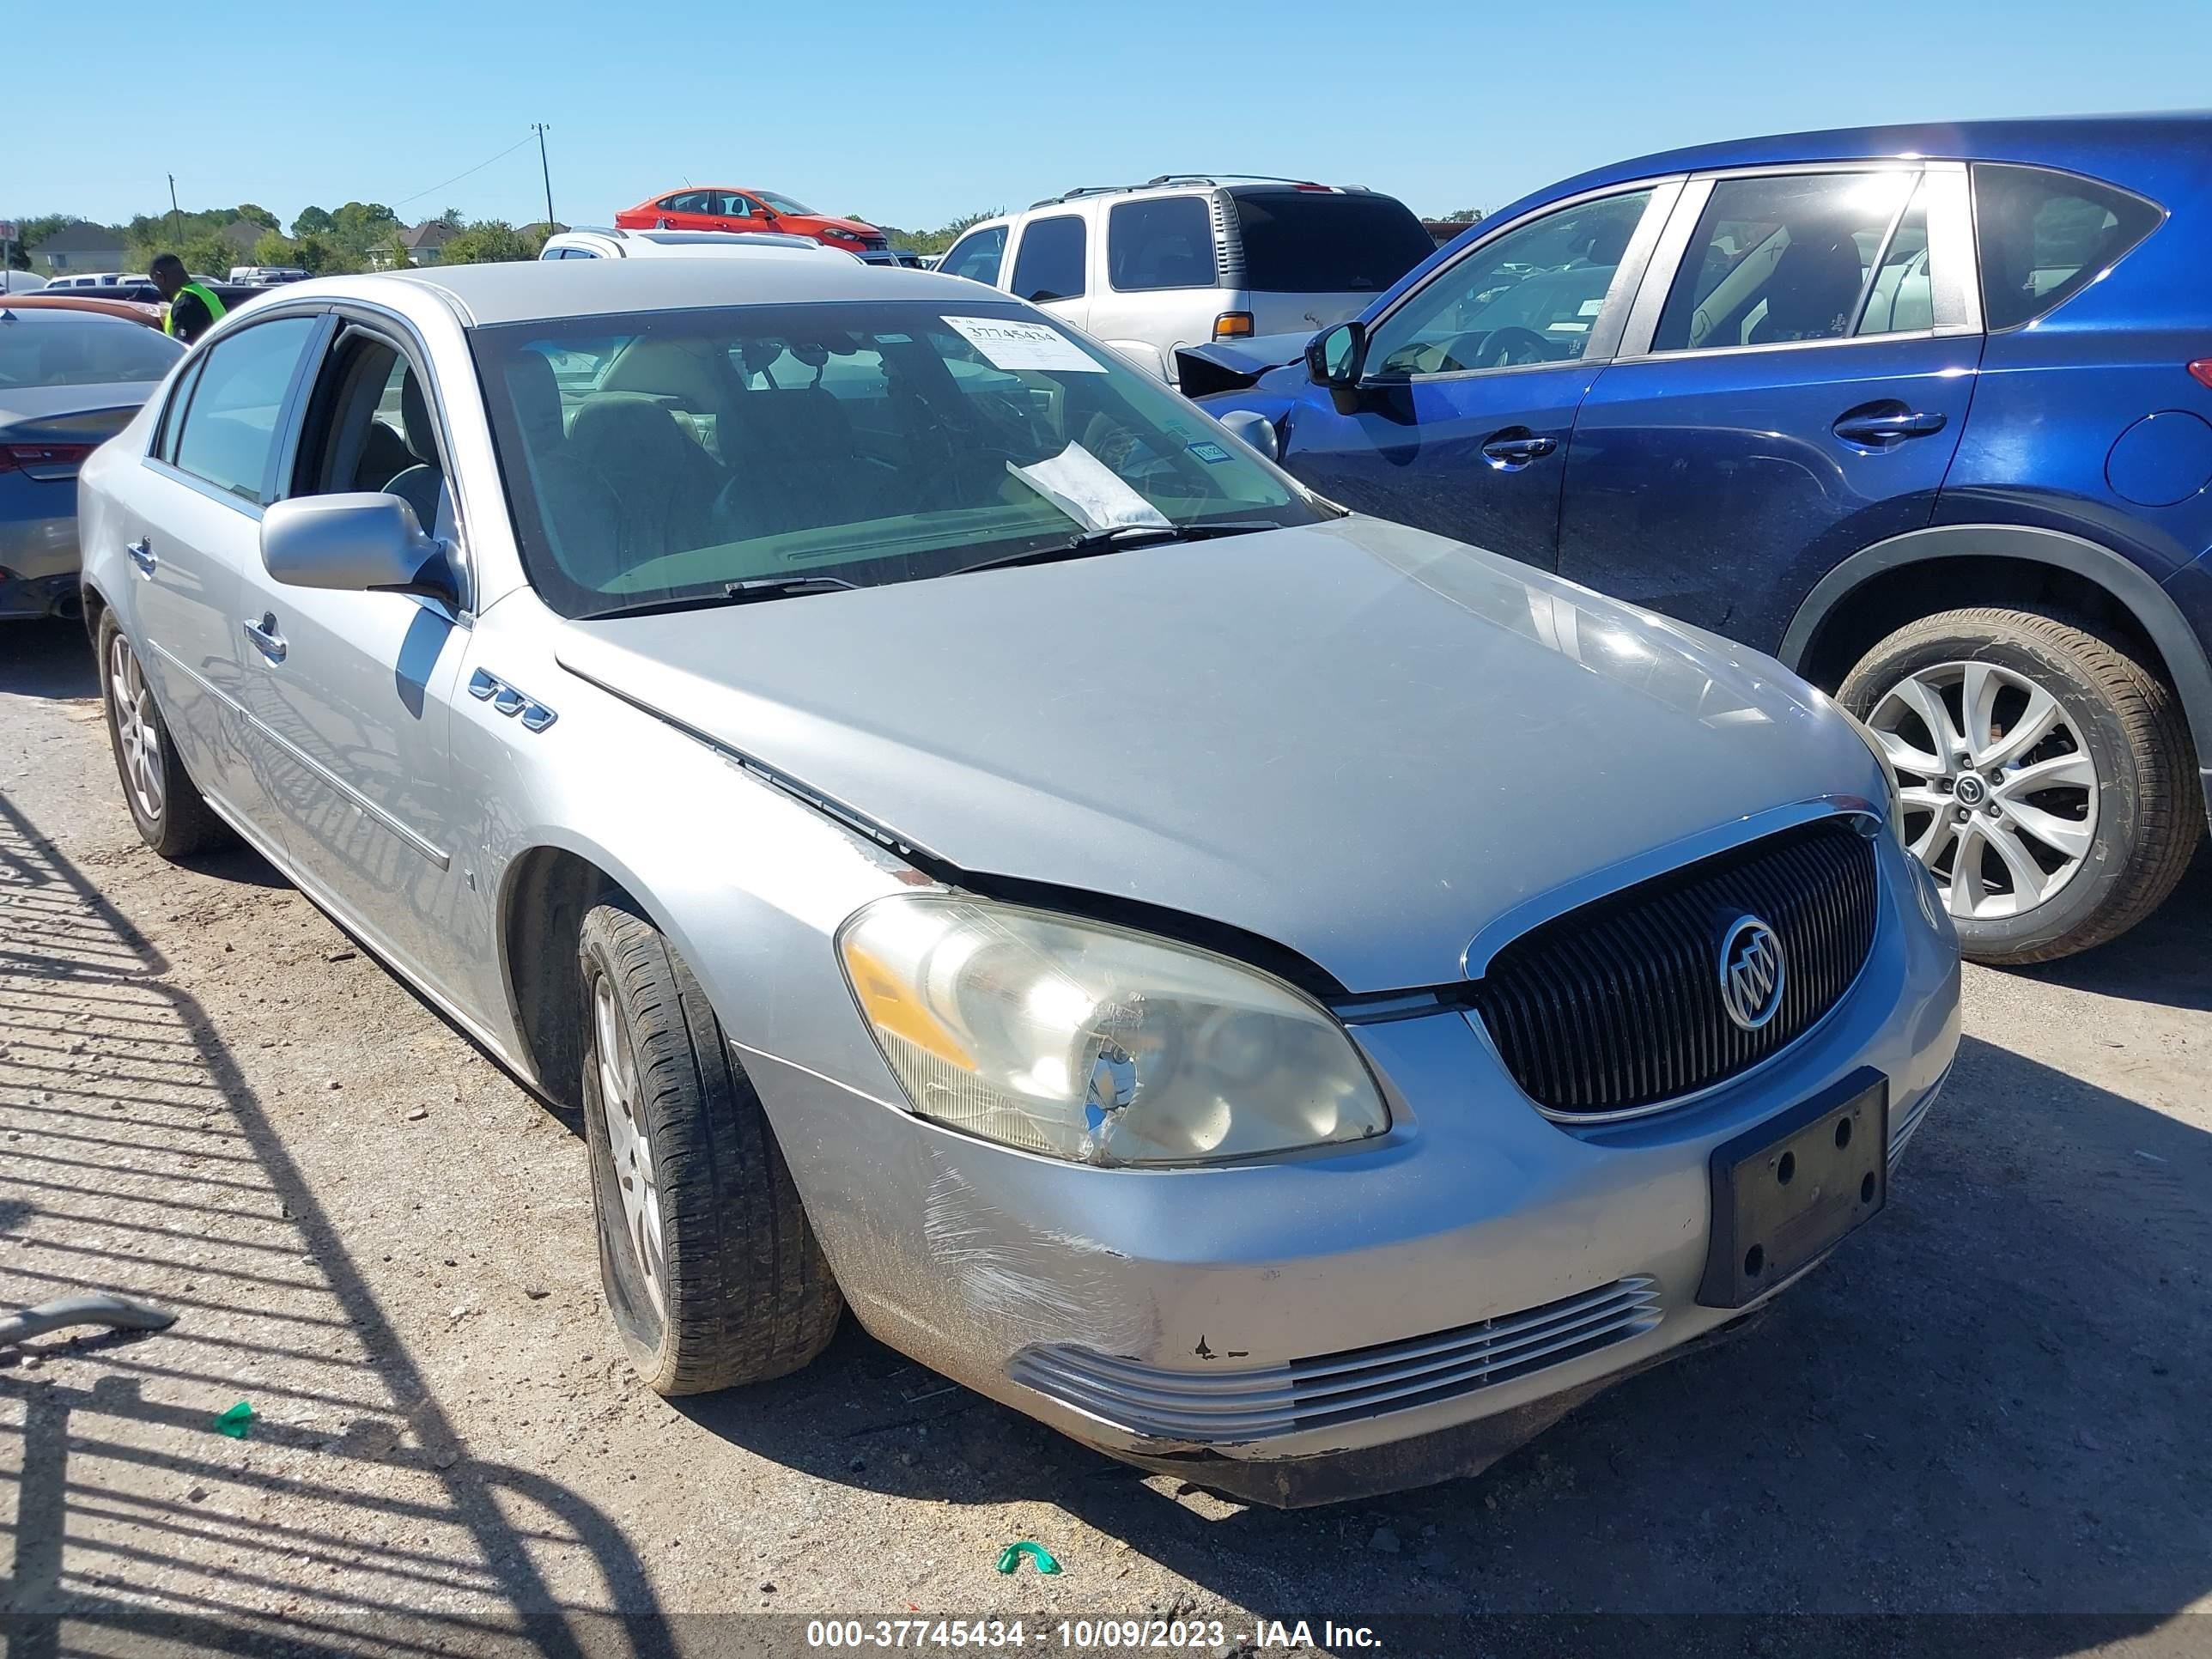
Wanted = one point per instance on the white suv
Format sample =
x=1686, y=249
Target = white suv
x=1187, y=259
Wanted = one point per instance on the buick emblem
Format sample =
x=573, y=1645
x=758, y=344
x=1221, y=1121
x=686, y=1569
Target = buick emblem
x=1752, y=972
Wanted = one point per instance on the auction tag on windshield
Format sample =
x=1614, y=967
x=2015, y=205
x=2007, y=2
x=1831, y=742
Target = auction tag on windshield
x=1012, y=345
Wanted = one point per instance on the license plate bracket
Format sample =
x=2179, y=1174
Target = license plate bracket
x=1785, y=1193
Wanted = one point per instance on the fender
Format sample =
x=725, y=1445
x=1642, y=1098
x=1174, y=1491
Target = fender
x=2153, y=608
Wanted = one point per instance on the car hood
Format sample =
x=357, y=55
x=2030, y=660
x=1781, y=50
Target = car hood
x=1252, y=355
x=1357, y=740
x=42, y=406
x=853, y=227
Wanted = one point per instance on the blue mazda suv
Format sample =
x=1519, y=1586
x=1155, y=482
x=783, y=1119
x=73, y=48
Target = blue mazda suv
x=1924, y=412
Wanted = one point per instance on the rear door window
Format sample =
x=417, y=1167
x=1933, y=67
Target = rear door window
x=2042, y=237
x=229, y=433
x=1317, y=241
x=1166, y=242
x=1780, y=259
x=1049, y=264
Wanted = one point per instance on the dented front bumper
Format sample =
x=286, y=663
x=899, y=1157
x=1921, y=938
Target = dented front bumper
x=1306, y=1329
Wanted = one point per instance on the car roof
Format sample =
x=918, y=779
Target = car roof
x=532, y=289
x=87, y=305
x=2143, y=152
x=101, y=312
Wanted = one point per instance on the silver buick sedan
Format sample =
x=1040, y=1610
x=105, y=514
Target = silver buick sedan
x=1285, y=999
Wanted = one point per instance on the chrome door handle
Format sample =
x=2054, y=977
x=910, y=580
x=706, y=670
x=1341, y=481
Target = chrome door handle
x=1507, y=452
x=142, y=554
x=266, y=640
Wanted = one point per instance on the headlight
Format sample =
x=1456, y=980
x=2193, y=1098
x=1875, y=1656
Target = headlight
x=1084, y=1041
x=1888, y=772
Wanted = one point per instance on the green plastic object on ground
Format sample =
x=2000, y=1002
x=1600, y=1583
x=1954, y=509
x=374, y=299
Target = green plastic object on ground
x=1011, y=1557
x=234, y=1422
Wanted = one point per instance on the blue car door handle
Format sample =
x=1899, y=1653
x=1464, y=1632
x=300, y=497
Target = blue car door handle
x=1859, y=428
x=142, y=554
x=1510, y=450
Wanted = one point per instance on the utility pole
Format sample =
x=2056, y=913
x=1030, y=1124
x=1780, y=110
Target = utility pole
x=543, y=167
x=175, y=218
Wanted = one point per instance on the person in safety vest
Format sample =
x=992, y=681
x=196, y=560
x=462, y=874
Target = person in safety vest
x=193, y=307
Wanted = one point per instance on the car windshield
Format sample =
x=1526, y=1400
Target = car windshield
x=783, y=204
x=665, y=455
x=57, y=349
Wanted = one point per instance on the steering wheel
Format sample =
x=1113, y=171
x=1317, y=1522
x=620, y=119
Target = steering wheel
x=1513, y=344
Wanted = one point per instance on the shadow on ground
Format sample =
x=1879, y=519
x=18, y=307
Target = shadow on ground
x=134, y=1157
x=47, y=659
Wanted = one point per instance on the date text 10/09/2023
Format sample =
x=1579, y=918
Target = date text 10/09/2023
x=1084, y=1635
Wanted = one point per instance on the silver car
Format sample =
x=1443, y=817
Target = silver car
x=68, y=379
x=1285, y=999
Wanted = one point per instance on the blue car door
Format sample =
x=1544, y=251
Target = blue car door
x=1468, y=396
x=1789, y=388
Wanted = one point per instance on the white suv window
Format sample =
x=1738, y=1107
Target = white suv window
x=977, y=255
x=1164, y=242
x=1049, y=265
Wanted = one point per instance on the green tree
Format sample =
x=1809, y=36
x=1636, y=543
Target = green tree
x=273, y=247
x=257, y=215
x=488, y=241
x=362, y=226
x=312, y=222
x=930, y=241
x=1462, y=216
x=325, y=257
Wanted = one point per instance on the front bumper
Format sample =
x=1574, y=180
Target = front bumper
x=1457, y=1284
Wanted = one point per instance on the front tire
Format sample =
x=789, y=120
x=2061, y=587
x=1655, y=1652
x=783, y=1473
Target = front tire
x=711, y=1272
x=2048, y=777
x=172, y=816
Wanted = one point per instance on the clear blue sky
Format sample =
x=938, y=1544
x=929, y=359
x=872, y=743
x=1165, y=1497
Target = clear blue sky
x=913, y=112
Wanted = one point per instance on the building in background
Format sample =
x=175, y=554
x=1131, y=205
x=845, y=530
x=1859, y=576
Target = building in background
x=79, y=247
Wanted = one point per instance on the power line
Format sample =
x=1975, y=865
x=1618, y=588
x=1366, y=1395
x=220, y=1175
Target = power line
x=457, y=177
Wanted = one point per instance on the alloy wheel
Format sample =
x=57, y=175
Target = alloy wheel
x=138, y=733
x=629, y=1147
x=2000, y=791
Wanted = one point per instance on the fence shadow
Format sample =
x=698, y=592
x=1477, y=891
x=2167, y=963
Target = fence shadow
x=135, y=1158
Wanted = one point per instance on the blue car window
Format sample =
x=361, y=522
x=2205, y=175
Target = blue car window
x=2045, y=236
x=1529, y=296
x=1777, y=260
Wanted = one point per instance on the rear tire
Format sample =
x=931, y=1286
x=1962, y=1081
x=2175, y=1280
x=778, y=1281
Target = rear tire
x=712, y=1273
x=2109, y=834
x=172, y=816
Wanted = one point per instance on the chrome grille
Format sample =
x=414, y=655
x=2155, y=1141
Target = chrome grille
x=1617, y=1005
x=1214, y=1406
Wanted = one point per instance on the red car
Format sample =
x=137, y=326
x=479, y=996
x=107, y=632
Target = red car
x=724, y=207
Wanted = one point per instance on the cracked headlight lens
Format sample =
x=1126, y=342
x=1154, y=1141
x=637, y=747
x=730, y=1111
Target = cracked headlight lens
x=1085, y=1042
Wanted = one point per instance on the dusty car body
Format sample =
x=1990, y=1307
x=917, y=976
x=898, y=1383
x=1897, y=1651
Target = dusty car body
x=1425, y=975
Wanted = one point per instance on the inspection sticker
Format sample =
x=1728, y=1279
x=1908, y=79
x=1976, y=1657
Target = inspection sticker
x=1009, y=344
x=1212, y=453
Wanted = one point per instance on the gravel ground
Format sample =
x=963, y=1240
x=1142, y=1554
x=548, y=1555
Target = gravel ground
x=1991, y=1401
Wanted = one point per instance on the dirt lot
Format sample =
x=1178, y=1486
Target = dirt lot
x=1992, y=1402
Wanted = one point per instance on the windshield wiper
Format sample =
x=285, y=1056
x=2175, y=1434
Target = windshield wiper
x=1094, y=541
x=738, y=592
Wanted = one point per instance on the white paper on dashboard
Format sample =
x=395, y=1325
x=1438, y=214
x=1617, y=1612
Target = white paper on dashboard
x=1007, y=344
x=1090, y=492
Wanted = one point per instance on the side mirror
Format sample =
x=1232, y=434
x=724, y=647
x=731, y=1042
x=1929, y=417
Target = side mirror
x=1335, y=358
x=365, y=542
x=1257, y=430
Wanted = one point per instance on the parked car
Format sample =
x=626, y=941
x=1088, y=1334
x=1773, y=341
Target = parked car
x=68, y=377
x=587, y=243
x=974, y=843
x=85, y=304
x=1186, y=258
x=723, y=207
x=268, y=275
x=20, y=281
x=1927, y=412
